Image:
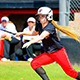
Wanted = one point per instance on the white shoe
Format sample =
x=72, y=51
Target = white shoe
x=5, y=59
x=30, y=59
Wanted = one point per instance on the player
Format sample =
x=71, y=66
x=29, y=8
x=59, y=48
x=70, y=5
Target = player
x=54, y=50
x=9, y=45
x=34, y=48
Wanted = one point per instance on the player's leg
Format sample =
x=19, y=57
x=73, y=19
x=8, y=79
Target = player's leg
x=6, y=49
x=13, y=43
x=37, y=47
x=19, y=53
x=41, y=72
x=29, y=51
x=40, y=60
x=78, y=77
x=62, y=59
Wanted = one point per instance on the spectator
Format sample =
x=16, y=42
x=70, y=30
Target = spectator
x=9, y=45
x=34, y=48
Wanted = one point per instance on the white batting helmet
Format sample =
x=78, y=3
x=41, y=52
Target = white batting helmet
x=46, y=11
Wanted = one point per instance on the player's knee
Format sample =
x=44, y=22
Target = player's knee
x=35, y=64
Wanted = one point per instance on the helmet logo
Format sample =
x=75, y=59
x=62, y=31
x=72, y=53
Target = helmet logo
x=40, y=10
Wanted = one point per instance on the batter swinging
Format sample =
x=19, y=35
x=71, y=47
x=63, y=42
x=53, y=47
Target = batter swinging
x=54, y=50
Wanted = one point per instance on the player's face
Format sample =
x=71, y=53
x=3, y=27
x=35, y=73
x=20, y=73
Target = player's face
x=42, y=18
x=31, y=24
x=4, y=23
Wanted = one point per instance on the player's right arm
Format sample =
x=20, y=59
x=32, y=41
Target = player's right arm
x=29, y=33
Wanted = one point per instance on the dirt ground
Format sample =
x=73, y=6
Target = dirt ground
x=14, y=63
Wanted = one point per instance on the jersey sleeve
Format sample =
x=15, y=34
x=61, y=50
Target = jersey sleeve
x=50, y=28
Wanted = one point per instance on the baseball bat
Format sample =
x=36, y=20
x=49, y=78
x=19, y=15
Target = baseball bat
x=8, y=31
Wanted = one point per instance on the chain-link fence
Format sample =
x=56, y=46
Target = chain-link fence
x=74, y=8
x=75, y=15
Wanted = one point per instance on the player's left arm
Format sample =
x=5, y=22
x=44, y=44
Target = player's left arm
x=37, y=39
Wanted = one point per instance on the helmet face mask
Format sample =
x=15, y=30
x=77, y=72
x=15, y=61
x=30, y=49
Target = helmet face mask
x=46, y=11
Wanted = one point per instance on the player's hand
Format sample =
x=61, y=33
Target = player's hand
x=26, y=45
x=18, y=34
x=8, y=37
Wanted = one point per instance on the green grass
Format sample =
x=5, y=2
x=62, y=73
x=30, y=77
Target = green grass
x=21, y=70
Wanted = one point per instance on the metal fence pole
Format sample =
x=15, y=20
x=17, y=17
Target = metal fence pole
x=64, y=13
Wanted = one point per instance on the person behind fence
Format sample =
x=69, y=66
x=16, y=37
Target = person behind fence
x=54, y=50
x=9, y=40
x=33, y=50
